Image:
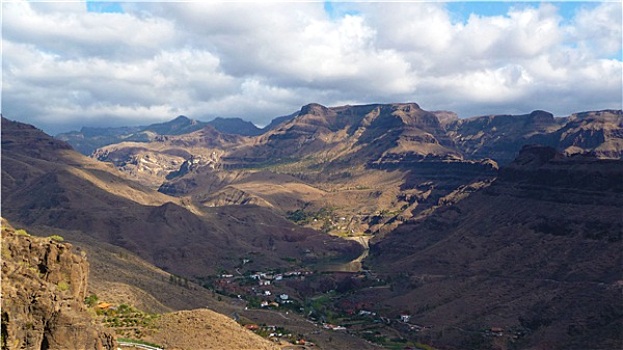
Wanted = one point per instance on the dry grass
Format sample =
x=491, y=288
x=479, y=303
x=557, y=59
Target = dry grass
x=205, y=329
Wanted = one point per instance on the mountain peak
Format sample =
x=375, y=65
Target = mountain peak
x=406, y=107
x=314, y=108
x=541, y=116
x=236, y=126
x=181, y=118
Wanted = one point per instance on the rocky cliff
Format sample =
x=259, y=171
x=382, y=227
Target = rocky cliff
x=501, y=137
x=44, y=284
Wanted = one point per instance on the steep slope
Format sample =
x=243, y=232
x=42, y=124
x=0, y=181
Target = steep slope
x=44, y=284
x=119, y=277
x=76, y=193
x=499, y=137
x=599, y=132
x=169, y=157
x=536, y=254
x=44, y=278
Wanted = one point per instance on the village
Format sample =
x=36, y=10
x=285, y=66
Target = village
x=287, y=292
x=281, y=291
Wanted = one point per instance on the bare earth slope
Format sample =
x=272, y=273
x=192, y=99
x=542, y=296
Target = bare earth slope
x=204, y=329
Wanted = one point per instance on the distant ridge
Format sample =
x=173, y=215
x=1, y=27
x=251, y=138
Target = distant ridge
x=88, y=139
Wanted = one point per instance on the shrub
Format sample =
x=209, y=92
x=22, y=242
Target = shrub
x=91, y=300
x=56, y=238
x=63, y=286
x=22, y=232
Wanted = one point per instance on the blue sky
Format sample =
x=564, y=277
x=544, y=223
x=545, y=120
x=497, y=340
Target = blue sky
x=71, y=64
x=104, y=7
x=462, y=9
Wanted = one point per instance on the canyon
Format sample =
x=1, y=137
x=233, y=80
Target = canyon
x=479, y=231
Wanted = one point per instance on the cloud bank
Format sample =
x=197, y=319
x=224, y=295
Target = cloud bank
x=65, y=67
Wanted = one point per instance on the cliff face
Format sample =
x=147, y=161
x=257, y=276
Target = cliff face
x=501, y=137
x=43, y=287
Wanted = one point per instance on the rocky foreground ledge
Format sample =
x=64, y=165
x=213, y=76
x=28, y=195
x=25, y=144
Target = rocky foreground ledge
x=44, y=284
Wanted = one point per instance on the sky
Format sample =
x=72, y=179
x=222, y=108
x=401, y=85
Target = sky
x=71, y=64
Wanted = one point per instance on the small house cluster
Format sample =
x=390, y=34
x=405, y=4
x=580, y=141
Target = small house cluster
x=266, y=278
x=277, y=334
x=333, y=327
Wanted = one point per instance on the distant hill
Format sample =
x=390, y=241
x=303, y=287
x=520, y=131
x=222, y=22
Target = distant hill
x=277, y=121
x=88, y=139
x=235, y=126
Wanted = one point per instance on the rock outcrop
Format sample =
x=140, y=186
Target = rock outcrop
x=43, y=289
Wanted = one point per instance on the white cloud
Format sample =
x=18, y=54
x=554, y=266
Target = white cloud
x=64, y=67
x=599, y=29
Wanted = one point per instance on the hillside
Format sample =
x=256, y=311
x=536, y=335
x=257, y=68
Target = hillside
x=536, y=254
x=204, y=329
x=500, y=137
x=45, y=183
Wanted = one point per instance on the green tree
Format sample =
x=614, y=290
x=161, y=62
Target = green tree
x=91, y=300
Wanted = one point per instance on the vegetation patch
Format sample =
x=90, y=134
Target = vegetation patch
x=91, y=300
x=126, y=320
x=22, y=232
x=56, y=238
x=63, y=286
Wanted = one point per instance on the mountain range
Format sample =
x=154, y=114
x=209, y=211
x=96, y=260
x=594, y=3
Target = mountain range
x=456, y=233
x=358, y=159
x=89, y=139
